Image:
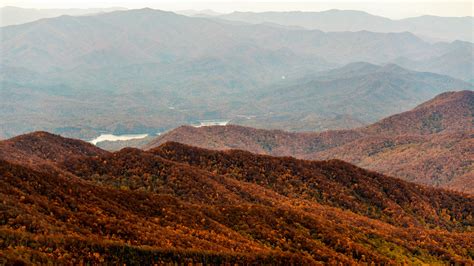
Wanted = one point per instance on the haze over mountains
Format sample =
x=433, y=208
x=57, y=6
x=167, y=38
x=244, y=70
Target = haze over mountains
x=146, y=71
x=176, y=204
x=431, y=144
x=199, y=13
x=11, y=15
x=165, y=40
x=430, y=27
x=356, y=94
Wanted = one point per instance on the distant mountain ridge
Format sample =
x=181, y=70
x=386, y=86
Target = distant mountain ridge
x=346, y=97
x=362, y=92
x=199, y=13
x=147, y=71
x=135, y=22
x=457, y=62
x=431, y=144
x=434, y=27
x=11, y=15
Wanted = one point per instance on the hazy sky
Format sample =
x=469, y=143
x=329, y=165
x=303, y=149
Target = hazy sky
x=387, y=8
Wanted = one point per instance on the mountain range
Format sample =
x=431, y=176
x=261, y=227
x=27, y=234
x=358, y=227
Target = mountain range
x=199, y=13
x=67, y=201
x=12, y=15
x=431, y=144
x=430, y=27
x=83, y=41
x=351, y=96
x=147, y=71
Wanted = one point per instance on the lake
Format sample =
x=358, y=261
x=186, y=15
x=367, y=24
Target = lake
x=111, y=137
x=205, y=123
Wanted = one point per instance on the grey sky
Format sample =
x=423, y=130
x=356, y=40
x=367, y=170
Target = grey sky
x=388, y=8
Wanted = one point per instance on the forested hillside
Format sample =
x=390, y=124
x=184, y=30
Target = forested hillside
x=431, y=144
x=182, y=204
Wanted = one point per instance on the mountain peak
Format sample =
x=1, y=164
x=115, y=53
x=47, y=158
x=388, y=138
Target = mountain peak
x=46, y=146
x=36, y=136
x=394, y=68
x=144, y=11
x=450, y=98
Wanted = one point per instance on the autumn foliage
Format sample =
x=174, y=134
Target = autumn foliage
x=187, y=205
x=431, y=144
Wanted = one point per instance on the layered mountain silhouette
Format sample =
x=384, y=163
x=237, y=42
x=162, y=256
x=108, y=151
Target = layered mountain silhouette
x=432, y=27
x=346, y=97
x=65, y=201
x=362, y=91
x=146, y=71
x=447, y=63
x=160, y=42
x=12, y=15
x=431, y=144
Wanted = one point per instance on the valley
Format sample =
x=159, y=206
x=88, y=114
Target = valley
x=111, y=137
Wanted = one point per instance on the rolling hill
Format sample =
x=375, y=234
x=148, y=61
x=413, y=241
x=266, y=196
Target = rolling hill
x=431, y=144
x=181, y=204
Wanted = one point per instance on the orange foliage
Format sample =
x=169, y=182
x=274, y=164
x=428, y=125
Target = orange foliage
x=180, y=204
